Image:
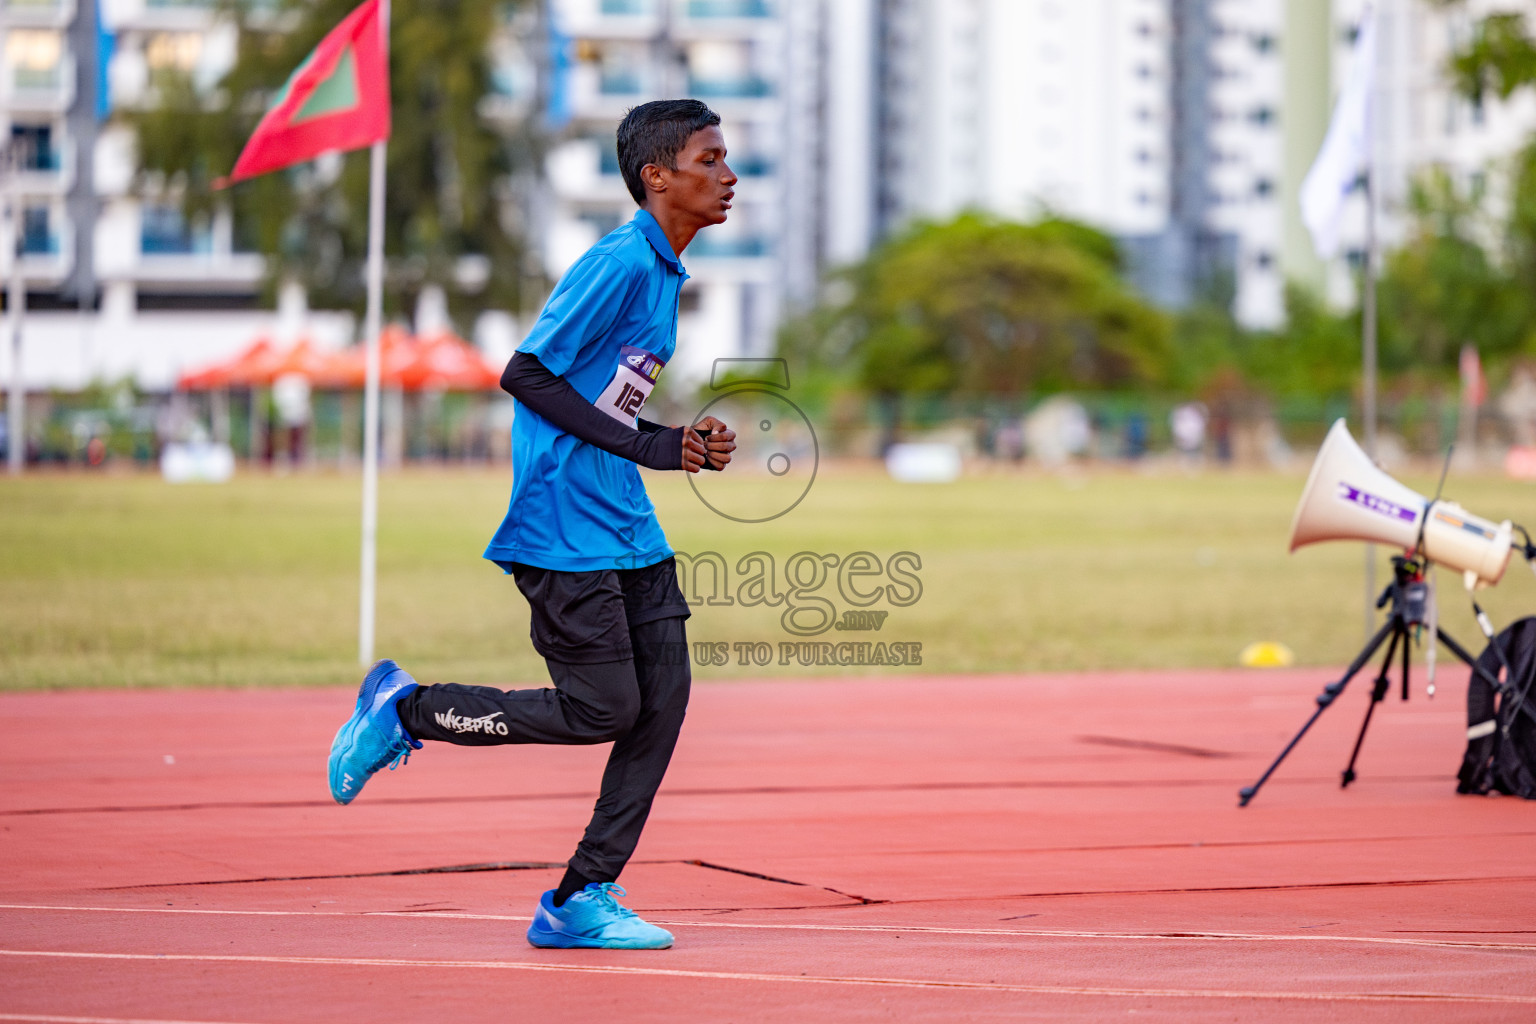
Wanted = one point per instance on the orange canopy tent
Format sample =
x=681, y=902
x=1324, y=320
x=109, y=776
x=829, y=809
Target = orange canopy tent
x=442, y=362
x=348, y=368
x=217, y=375
x=447, y=363
x=259, y=365
x=302, y=359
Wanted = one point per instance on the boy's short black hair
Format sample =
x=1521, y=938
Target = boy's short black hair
x=654, y=133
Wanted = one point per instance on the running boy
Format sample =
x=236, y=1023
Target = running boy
x=580, y=537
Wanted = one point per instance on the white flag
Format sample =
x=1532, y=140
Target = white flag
x=1346, y=148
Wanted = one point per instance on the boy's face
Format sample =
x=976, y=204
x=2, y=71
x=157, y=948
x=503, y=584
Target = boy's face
x=703, y=185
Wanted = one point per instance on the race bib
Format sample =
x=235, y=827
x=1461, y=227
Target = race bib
x=631, y=385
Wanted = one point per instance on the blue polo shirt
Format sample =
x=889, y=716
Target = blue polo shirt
x=574, y=507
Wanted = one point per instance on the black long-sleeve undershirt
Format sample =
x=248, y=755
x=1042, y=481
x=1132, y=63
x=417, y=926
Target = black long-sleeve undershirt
x=552, y=397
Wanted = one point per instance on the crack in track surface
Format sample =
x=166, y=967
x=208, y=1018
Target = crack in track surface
x=447, y=869
x=1296, y=887
x=854, y=899
x=863, y=901
x=899, y=787
x=1216, y=844
x=500, y=865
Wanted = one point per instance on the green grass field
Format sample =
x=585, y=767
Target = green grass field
x=120, y=580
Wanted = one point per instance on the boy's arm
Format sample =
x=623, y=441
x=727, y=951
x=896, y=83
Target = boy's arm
x=655, y=447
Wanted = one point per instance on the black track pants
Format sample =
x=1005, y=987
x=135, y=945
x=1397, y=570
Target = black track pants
x=637, y=703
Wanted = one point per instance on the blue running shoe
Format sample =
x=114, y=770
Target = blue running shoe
x=373, y=737
x=593, y=919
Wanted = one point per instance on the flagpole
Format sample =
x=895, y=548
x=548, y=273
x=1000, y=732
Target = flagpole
x=16, y=307
x=372, y=327
x=1368, y=385
x=1368, y=328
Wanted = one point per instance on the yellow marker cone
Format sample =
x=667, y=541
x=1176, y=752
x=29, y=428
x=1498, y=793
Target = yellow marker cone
x=1266, y=654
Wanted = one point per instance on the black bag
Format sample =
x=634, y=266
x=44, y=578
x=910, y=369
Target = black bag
x=1501, y=727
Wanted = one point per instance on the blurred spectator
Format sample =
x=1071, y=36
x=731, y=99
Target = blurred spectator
x=1135, y=435
x=1010, y=440
x=1221, y=432
x=1187, y=423
x=1057, y=429
x=290, y=397
x=1518, y=406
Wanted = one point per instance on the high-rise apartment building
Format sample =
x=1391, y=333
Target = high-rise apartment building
x=1159, y=121
x=1419, y=119
x=730, y=54
x=1182, y=127
x=119, y=282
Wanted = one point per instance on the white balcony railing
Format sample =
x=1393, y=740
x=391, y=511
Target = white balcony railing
x=36, y=13
x=39, y=90
x=704, y=19
x=48, y=174
x=47, y=255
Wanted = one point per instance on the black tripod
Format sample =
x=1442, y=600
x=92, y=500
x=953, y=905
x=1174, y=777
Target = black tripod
x=1409, y=597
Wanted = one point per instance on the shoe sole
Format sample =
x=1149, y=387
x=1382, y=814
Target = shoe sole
x=542, y=939
x=344, y=736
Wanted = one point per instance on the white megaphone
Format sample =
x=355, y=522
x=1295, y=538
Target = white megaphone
x=1348, y=498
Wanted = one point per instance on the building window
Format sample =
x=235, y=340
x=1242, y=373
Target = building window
x=34, y=56
x=1263, y=188
x=1262, y=116
x=37, y=235
x=602, y=221
x=1264, y=42
x=620, y=68
x=1264, y=260
x=34, y=147
x=728, y=9
x=163, y=230
x=173, y=51
x=752, y=165
x=723, y=68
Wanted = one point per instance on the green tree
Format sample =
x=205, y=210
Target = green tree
x=1499, y=56
x=447, y=167
x=984, y=307
x=1444, y=288
x=1316, y=354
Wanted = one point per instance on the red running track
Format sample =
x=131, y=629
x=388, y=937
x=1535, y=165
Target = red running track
x=1063, y=847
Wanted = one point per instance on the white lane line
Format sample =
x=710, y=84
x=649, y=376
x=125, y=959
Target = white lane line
x=47, y=1018
x=803, y=979
x=1025, y=933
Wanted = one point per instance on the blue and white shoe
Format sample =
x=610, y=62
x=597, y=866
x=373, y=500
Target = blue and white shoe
x=593, y=919
x=373, y=737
